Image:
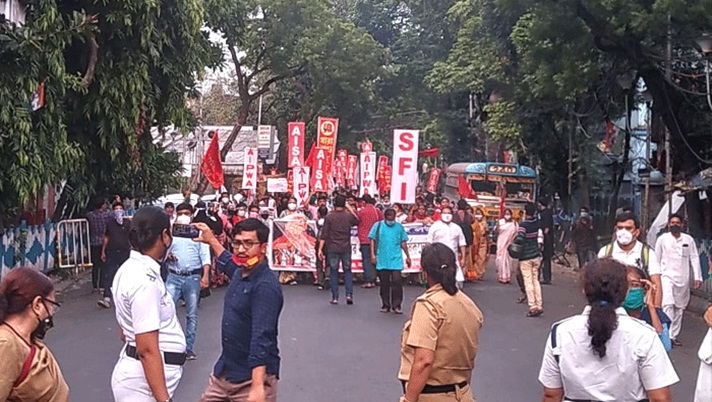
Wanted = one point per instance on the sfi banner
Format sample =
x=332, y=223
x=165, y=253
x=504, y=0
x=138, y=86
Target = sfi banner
x=249, y=172
x=368, y=173
x=405, y=166
x=296, y=131
x=301, y=184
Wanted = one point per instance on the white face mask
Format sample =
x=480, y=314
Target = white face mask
x=479, y=217
x=183, y=220
x=292, y=206
x=508, y=217
x=241, y=212
x=447, y=218
x=624, y=237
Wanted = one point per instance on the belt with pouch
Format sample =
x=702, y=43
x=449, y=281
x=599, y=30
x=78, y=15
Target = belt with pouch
x=170, y=358
x=439, y=389
x=189, y=273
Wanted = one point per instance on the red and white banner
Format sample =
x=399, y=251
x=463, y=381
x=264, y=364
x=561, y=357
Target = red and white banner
x=327, y=134
x=249, y=172
x=301, y=184
x=382, y=163
x=343, y=156
x=296, y=131
x=290, y=181
x=433, y=181
x=405, y=166
x=366, y=147
x=320, y=170
x=387, y=177
x=368, y=174
x=351, y=171
x=339, y=176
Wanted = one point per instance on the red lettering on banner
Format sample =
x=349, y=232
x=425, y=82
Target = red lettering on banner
x=250, y=151
x=405, y=157
x=403, y=164
x=406, y=141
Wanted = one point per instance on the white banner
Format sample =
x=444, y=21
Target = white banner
x=405, y=166
x=368, y=173
x=249, y=172
x=277, y=185
x=301, y=177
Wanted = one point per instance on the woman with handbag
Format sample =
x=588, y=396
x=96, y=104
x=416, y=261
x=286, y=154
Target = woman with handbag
x=28, y=370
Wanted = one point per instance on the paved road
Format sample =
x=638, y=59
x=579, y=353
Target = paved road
x=349, y=353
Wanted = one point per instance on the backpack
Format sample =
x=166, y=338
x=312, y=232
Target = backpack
x=644, y=256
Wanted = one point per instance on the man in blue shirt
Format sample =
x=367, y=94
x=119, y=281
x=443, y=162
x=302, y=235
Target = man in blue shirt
x=388, y=238
x=248, y=367
x=188, y=272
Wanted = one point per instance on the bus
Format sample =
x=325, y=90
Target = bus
x=487, y=180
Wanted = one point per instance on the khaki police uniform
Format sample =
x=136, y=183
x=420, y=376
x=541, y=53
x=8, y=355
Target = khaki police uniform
x=635, y=361
x=143, y=305
x=449, y=326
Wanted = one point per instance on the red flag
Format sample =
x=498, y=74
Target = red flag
x=310, y=158
x=211, y=166
x=430, y=153
x=611, y=134
x=464, y=189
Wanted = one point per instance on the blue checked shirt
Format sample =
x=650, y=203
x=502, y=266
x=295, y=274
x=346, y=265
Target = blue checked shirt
x=249, y=323
x=191, y=255
x=97, y=226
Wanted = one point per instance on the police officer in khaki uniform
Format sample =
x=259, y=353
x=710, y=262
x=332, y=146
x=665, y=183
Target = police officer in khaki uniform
x=440, y=341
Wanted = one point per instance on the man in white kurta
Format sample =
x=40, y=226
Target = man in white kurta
x=677, y=254
x=450, y=234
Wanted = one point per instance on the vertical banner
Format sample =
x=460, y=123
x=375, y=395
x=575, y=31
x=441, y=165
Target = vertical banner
x=368, y=173
x=382, y=163
x=290, y=181
x=327, y=134
x=249, y=172
x=296, y=131
x=433, y=180
x=351, y=171
x=343, y=156
x=405, y=166
x=301, y=184
x=320, y=172
x=339, y=176
x=387, y=175
x=366, y=147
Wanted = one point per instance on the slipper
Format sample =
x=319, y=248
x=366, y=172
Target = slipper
x=535, y=313
x=334, y=301
x=398, y=311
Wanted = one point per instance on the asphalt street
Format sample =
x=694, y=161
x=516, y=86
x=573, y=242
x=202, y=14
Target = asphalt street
x=350, y=353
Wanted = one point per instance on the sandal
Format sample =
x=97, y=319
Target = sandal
x=334, y=301
x=535, y=313
x=385, y=310
x=521, y=299
x=349, y=300
x=398, y=311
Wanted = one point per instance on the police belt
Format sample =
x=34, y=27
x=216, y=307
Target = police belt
x=198, y=271
x=591, y=400
x=170, y=358
x=439, y=389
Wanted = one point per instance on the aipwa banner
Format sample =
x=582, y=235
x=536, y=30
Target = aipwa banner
x=292, y=245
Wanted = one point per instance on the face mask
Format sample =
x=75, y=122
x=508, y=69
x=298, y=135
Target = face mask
x=393, y=222
x=241, y=212
x=624, y=237
x=292, y=206
x=119, y=216
x=320, y=222
x=479, y=217
x=42, y=328
x=447, y=218
x=182, y=220
x=254, y=215
x=508, y=217
x=675, y=229
x=635, y=299
x=584, y=214
x=225, y=200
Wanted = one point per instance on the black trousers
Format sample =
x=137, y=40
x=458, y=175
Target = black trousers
x=97, y=268
x=114, y=259
x=391, y=289
x=520, y=279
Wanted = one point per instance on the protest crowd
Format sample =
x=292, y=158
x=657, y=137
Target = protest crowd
x=254, y=245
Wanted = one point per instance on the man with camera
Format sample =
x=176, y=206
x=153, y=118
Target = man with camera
x=188, y=271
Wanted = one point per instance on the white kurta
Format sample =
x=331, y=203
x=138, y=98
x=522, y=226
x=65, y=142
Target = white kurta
x=703, y=393
x=676, y=257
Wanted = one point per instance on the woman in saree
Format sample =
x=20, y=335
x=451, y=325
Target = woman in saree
x=480, y=247
x=506, y=231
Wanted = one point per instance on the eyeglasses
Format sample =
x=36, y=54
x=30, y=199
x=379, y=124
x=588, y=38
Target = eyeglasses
x=247, y=244
x=55, y=305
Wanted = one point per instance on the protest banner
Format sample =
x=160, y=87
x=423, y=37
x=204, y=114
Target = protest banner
x=296, y=131
x=327, y=134
x=290, y=181
x=339, y=176
x=277, y=185
x=351, y=171
x=291, y=245
x=387, y=175
x=320, y=170
x=433, y=180
x=405, y=169
x=249, y=172
x=301, y=184
x=366, y=147
x=368, y=174
x=382, y=163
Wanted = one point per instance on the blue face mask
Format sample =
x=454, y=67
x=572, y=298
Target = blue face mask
x=119, y=216
x=635, y=299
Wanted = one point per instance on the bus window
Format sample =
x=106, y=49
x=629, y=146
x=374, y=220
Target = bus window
x=519, y=190
x=484, y=187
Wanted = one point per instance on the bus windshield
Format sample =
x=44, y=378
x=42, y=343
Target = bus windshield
x=482, y=187
x=519, y=190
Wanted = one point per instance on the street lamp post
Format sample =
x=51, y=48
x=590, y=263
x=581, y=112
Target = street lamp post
x=626, y=81
x=705, y=44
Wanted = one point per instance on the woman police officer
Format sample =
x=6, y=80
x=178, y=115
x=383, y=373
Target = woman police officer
x=150, y=364
x=439, y=343
x=603, y=354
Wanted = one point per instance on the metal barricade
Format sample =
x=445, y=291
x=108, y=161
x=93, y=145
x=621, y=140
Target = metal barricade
x=73, y=245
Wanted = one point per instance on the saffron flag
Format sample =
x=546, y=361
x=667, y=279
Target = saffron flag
x=211, y=165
